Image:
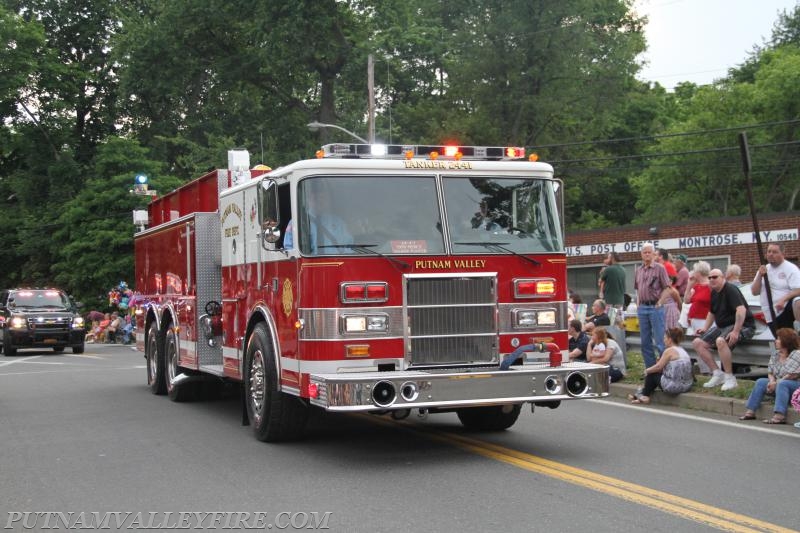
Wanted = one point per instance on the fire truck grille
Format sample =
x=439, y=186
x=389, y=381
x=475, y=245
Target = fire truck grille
x=452, y=320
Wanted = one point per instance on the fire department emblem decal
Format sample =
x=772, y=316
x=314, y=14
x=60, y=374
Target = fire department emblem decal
x=287, y=297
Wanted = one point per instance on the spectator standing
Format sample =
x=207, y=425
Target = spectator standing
x=732, y=275
x=671, y=301
x=734, y=323
x=783, y=373
x=604, y=350
x=651, y=280
x=698, y=295
x=612, y=283
x=682, y=280
x=784, y=280
x=578, y=341
x=672, y=372
x=663, y=258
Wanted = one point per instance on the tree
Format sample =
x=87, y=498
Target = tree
x=95, y=228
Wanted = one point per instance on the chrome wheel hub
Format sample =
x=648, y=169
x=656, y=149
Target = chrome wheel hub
x=257, y=382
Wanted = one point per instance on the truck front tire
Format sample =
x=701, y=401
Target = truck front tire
x=491, y=418
x=273, y=415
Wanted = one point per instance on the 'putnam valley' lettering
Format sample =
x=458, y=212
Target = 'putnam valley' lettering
x=446, y=263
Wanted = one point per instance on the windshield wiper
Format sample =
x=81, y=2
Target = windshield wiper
x=500, y=246
x=367, y=249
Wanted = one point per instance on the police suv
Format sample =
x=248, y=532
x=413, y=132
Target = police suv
x=39, y=318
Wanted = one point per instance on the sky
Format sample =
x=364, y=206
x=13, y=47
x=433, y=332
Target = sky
x=699, y=40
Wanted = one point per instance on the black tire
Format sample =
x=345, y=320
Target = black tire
x=58, y=349
x=8, y=348
x=273, y=415
x=492, y=418
x=154, y=355
x=177, y=393
x=79, y=348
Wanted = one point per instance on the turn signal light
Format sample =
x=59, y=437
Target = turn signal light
x=534, y=288
x=364, y=291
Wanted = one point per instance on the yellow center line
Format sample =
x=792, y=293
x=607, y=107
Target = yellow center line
x=632, y=492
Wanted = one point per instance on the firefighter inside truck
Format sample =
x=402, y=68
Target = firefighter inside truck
x=328, y=231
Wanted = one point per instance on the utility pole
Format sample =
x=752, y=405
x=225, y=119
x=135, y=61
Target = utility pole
x=371, y=98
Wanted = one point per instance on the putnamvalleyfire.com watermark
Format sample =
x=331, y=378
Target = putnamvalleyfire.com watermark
x=161, y=521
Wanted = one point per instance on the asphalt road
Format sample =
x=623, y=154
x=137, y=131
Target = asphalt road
x=83, y=434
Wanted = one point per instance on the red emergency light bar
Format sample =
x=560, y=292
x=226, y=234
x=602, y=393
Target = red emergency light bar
x=405, y=151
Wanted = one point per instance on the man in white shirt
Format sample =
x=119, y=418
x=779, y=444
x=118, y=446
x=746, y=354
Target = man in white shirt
x=784, y=282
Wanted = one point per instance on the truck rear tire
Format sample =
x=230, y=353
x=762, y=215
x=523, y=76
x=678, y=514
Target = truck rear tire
x=178, y=392
x=154, y=354
x=273, y=415
x=491, y=418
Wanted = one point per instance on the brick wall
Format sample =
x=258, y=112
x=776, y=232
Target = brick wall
x=594, y=244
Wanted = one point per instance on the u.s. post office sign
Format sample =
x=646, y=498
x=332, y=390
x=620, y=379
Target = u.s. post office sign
x=684, y=243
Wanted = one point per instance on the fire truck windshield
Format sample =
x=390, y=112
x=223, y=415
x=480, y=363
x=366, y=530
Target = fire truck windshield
x=517, y=214
x=401, y=215
x=387, y=214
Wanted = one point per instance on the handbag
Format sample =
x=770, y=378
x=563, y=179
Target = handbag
x=795, y=401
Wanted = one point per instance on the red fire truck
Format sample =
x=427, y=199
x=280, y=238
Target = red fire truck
x=374, y=278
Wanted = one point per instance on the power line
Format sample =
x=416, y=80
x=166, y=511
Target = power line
x=669, y=135
x=669, y=154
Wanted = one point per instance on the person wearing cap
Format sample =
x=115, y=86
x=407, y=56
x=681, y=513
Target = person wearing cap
x=682, y=276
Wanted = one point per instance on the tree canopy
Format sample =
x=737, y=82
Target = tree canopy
x=93, y=93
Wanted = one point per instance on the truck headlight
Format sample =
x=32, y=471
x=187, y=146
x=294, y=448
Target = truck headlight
x=365, y=323
x=77, y=322
x=18, y=322
x=530, y=318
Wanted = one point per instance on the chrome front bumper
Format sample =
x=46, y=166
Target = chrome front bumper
x=453, y=388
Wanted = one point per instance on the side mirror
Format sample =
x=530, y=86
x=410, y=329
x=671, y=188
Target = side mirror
x=268, y=213
x=271, y=232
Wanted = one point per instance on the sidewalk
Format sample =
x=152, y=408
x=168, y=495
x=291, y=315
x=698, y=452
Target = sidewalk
x=704, y=402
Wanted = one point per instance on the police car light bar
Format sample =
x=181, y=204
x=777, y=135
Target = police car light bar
x=405, y=151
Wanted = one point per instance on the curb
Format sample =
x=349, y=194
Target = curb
x=703, y=402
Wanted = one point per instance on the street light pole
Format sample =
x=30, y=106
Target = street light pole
x=314, y=126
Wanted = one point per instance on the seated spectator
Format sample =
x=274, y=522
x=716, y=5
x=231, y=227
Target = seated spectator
x=113, y=327
x=578, y=341
x=599, y=317
x=610, y=354
x=127, y=330
x=734, y=322
x=93, y=332
x=100, y=333
x=672, y=372
x=732, y=275
x=782, y=378
x=630, y=305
